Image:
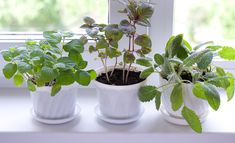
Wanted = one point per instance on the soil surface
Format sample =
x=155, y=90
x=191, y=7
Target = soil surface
x=116, y=78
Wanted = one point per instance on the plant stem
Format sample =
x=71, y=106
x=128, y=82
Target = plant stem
x=123, y=73
x=116, y=60
x=128, y=71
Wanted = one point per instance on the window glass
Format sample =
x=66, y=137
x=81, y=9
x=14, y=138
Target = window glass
x=206, y=20
x=41, y=15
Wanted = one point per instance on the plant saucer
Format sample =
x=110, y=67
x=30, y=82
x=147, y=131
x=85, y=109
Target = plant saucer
x=56, y=121
x=177, y=120
x=118, y=121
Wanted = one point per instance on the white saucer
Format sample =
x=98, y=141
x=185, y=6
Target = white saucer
x=118, y=121
x=177, y=120
x=56, y=121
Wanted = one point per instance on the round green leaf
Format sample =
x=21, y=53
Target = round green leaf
x=9, y=70
x=144, y=74
x=148, y=93
x=144, y=62
x=18, y=80
x=31, y=86
x=47, y=74
x=65, y=78
x=83, y=78
x=93, y=74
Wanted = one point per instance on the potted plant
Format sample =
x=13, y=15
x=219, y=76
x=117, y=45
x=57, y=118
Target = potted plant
x=118, y=85
x=50, y=67
x=189, y=81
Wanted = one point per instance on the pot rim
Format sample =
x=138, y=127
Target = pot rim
x=101, y=70
x=48, y=88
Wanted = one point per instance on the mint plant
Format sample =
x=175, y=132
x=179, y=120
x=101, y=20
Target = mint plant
x=107, y=37
x=182, y=64
x=49, y=62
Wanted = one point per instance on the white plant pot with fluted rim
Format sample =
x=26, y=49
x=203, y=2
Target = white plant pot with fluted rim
x=119, y=102
x=56, y=109
x=199, y=106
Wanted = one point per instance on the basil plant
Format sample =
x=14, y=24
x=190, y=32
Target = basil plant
x=49, y=62
x=183, y=64
x=108, y=36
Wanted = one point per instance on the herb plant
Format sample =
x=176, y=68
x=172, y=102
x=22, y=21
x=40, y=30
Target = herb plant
x=107, y=37
x=182, y=64
x=50, y=62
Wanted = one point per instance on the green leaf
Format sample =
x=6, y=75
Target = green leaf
x=148, y=93
x=227, y=53
x=220, y=71
x=7, y=55
x=159, y=59
x=47, y=74
x=102, y=44
x=75, y=44
x=24, y=67
x=143, y=41
x=194, y=57
x=192, y=119
x=75, y=56
x=65, y=77
x=212, y=96
x=205, y=61
x=175, y=45
x=92, y=32
x=230, y=89
x=113, y=33
x=82, y=65
x=52, y=37
x=69, y=63
x=18, y=79
x=144, y=62
x=92, y=49
x=177, y=97
x=89, y=20
x=147, y=72
x=9, y=70
x=128, y=57
x=55, y=89
x=31, y=86
x=83, y=78
x=126, y=27
x=198, y=90
x=93, y=74
x=158, y=100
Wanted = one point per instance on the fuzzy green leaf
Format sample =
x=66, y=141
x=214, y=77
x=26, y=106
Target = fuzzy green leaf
x=177, y=97
x=144, y=62
x=24, y=67
x=230, y=89
x=203, y=44
x=89, y=20
x=159, y=59
x=158, y=100
x=198, y=90
x=192, y=119
x=175, y=45
x=128, y=57
x=212, y=96
x=31, y=86
x=18, y=80
x=9, y=70
x=147, y=72
x=194, y=57
x=227, y=53
x=148, y=93
x=143, y=41
x=205, y=61
x=83, y=78
x=55, y=89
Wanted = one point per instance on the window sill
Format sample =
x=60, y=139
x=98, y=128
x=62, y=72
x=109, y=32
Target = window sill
x=17, y=125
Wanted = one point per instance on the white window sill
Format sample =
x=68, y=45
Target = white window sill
x=17, y=125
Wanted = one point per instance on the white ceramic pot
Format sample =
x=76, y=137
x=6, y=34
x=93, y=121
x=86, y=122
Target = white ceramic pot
x=118, y=102
x=200, y=106
x=58, y=107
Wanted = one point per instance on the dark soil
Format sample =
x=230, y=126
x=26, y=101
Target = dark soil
x=116, y=78
x=186, y=76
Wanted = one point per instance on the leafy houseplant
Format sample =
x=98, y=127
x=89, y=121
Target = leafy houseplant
x=122, y=73
x=47, y=66
x=189, y=80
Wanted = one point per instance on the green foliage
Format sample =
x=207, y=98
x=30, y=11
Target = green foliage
x=43, y=64
x=147, y=72
x=191, y=117
x=148, y=93
x=182, y=65
x=107, y=37
x=177, y=97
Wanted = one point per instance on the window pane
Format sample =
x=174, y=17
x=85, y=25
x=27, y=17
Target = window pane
x=41, y=15
x=206, y=20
